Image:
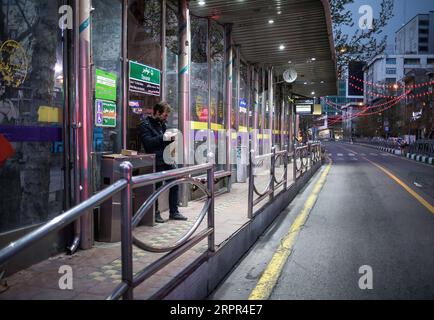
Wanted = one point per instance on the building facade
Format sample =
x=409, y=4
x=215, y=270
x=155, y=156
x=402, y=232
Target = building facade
x=417, y=36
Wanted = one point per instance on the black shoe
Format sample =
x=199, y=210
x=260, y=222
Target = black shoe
x=158, y=218
x=178, y=216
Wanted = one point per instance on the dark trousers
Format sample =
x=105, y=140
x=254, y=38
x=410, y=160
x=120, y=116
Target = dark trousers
x=173, y=193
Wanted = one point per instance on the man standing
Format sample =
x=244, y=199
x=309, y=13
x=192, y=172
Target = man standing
x=152, y=134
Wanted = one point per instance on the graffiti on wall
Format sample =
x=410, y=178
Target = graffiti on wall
x=13, y=64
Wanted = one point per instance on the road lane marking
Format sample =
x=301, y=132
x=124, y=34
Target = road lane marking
x=340, y=154
x=425, y=203
x=351, y=155
x=400, y=158
x=272, y=273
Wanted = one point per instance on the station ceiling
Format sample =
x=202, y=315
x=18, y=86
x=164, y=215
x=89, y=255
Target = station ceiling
x=303, y=27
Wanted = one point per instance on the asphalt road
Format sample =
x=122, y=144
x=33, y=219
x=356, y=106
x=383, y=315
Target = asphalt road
x=362, y=217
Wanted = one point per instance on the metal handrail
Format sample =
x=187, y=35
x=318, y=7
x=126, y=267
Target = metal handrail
x=272, y=185
x=60, y=222
x=301, y=153
x=126, y=186
x=177, y=177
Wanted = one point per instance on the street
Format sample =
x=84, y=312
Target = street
x=374, y=210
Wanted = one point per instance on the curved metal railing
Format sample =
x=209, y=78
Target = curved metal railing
x=273, y=182
x=301, y=162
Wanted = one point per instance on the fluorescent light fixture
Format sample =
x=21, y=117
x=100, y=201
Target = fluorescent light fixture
x=58, y=68
x=282, y=47
x=271, y=21
x=303, y=109
x=201, y=3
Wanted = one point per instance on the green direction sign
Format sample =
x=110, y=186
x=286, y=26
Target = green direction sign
x=145, y=79
x=105, y=114
x=105, y=87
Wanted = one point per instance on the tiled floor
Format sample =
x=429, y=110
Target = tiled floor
x=97, y=272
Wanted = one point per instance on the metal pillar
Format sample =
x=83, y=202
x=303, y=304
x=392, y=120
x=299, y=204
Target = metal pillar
x=229, y=59
x=210, y=134
x=239, y=168
x=76, y=126
x=86, y=121
x=125, y=76
x=257, y=131
x=127, y=231
x=264, y=107
x=271, y=105
x=163, y=49
x=184, y=90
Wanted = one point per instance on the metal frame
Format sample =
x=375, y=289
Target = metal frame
x=273, y=184
x=128, y=223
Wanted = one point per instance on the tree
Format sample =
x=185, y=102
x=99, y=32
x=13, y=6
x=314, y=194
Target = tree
x=363, y=45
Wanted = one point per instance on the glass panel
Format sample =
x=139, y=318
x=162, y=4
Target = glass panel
x=199, y=83
x=218, y=117
x=144, y=47
x=171, y=74
x=31, y=114
x=243, y=97
x=107, y=24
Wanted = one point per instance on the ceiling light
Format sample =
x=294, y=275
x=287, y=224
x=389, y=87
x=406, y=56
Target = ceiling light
x=270, y=21
x=201, y=3
x=313, y=59
x=313, y=92
x=279, y=12
x=282, y=47
x=289, y=61
x=305, y=83
x=58, y=68
x=322, y=81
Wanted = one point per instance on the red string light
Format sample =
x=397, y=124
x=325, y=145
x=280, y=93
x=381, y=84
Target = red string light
x=393, y=86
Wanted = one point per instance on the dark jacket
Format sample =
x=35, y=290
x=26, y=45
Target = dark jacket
x=151, y=135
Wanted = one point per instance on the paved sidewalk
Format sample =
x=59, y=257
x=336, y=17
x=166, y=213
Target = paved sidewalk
x=97, y=272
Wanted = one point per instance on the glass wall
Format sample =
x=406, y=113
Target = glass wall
x=144, y=47
x=31, y=114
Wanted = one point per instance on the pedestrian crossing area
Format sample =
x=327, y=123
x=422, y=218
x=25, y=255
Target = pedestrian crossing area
x=352, y=156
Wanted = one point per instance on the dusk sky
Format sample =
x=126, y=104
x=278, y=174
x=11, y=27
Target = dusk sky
x=404, y=10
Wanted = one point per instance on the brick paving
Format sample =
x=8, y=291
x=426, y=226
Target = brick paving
x=97, y=272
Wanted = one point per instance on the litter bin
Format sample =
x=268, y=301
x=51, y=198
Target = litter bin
x=109, y=217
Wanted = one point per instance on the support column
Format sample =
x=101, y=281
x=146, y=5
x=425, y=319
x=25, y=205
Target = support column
x=125, y=73
x=86, y=122
x=210, y=134
x=229, y=59
x=271, y=105
x=256, y=130
x=163, y=50
x=263, y=112
x=184, y=91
